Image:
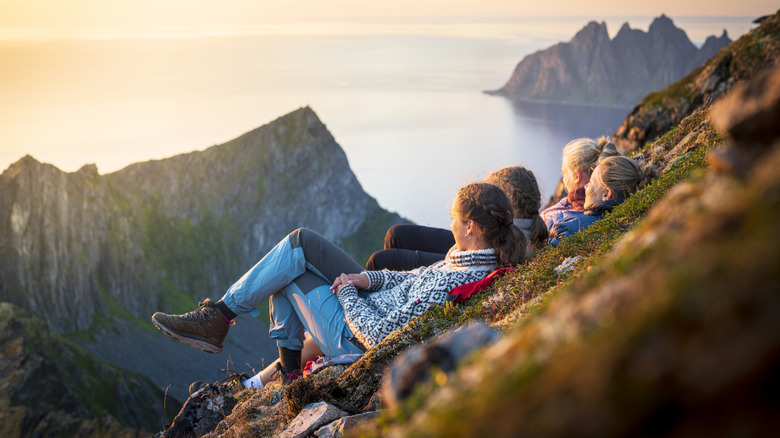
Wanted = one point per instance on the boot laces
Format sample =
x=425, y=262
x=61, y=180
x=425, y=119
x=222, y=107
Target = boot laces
x=203, y=313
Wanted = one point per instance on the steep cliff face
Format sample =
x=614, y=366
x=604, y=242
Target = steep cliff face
x=95, y=255
x=75, y=243
x=591, y=68
x=739, y=61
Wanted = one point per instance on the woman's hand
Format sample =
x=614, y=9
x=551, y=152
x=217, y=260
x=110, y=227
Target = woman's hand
x=360, y=281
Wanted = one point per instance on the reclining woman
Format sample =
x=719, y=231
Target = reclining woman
x=613, y=180
x=580, y=157
x=410, y=246
x=304, y=277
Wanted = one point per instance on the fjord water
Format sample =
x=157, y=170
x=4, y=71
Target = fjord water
x=404, y=100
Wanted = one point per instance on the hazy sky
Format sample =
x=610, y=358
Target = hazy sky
x=112, y=13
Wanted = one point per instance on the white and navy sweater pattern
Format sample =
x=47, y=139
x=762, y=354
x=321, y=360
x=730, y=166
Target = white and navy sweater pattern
x=399, y=297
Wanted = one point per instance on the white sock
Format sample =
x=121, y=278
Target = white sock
x=253, y=382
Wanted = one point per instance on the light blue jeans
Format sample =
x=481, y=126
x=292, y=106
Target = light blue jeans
x=296, y=276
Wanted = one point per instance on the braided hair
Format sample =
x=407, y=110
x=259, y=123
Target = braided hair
x=490, y=209
x=520, y=185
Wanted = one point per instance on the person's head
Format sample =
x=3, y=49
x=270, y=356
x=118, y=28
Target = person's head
x=615, y=178
x=580, y=157
x=482, y=218
x=520, y=185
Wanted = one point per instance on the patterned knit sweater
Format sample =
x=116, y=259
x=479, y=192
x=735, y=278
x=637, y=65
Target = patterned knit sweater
x=398, y=297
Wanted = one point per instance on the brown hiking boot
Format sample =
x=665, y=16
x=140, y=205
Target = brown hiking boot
x=204, y=328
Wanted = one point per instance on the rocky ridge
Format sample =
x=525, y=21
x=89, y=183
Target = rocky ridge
x=658, y=112
x=95, y=255
x=592, y=69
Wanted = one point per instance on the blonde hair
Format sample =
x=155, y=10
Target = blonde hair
x=620, y=174
x=583, y=154
x=490, y=209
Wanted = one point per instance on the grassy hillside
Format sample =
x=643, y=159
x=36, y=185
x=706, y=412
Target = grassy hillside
x=666, y=325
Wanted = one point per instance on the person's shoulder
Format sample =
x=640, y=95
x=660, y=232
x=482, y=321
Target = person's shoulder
x=566, y=215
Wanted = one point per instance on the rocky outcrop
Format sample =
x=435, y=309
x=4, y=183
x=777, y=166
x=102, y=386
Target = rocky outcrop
x=593, y=69
x=739, y=61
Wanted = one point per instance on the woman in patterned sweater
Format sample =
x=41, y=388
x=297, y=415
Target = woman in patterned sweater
x=304, y=277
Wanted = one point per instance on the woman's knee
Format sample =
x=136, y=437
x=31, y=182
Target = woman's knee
x=398, y=235
x=377, y=261
x=301, y=235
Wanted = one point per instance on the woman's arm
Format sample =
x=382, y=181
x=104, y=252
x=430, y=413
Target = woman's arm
x=372, y=280
x=379, y=280
x=369, y=326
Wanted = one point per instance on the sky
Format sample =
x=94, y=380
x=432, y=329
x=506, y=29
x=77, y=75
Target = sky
x=118, y=13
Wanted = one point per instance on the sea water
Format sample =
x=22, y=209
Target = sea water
x=404, y=100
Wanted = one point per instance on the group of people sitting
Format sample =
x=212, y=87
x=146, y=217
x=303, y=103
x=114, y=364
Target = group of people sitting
x=322, y=302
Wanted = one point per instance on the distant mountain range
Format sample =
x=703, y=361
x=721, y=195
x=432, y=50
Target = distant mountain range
x=95, y=255
x=591, y=68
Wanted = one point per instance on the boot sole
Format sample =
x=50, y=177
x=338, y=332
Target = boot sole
x=192, y=342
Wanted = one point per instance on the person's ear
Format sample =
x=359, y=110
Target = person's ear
x=472, y=229
x=581, y=178
x=609, y=194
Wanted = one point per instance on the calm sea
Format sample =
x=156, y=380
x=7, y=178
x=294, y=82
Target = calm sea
x=404, y=100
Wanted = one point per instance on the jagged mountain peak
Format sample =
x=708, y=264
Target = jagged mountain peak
x=663, y=31
x=661, y=23
x=26, y=162
x=625, y=28
x=591, y=68
x=592, y=33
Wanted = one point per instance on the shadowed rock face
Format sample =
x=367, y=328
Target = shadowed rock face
x=591, y=68
x=50, y=384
